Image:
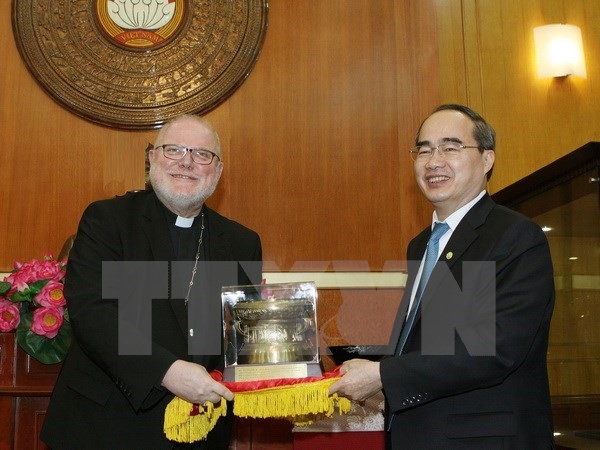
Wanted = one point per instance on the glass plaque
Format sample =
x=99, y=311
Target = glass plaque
x=270, y=331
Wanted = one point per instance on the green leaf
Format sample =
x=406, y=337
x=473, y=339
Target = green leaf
x=23, y=296
x=25, y=309
x=37, y=286
x=46, y=351
x=4, y=287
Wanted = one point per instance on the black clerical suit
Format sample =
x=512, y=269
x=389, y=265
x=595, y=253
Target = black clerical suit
x=479, y=402
x=106, y=400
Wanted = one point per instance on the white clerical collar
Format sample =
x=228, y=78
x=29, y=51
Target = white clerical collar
x=184, y=222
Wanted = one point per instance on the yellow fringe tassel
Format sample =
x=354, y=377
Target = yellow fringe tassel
x=180, y=426
x=302, y=404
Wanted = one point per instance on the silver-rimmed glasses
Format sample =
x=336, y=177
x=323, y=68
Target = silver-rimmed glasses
x=199, y=155
x=446, y=150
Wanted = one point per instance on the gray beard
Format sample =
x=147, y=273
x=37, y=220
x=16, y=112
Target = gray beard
x=181, y=203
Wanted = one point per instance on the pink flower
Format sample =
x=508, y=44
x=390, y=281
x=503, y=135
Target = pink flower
x=49, y=269
x=34, y=270
x=9, y=316
x=47, y=321
x=20, y=280
x=51, y=295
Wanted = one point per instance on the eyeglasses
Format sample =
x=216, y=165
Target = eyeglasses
x=199, y=155
x=447, y=150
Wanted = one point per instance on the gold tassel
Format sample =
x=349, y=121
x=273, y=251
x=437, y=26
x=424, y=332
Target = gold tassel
x=181, y=426
x=302, y=403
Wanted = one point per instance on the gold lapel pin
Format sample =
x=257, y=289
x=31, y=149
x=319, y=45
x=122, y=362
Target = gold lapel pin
x=449, y=255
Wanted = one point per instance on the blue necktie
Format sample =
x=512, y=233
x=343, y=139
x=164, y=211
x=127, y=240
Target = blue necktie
x=431, y=255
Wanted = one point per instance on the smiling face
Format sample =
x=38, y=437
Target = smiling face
x=450, y=183
x=183, y=185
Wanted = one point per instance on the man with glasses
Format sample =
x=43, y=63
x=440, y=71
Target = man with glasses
x=107, y=399
x=468, y=369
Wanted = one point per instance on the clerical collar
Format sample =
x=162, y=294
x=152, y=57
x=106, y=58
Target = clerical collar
x=184, y=222
x=176, y=221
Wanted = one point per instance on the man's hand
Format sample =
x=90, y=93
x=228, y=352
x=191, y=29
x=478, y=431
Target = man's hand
x=191, y=382
x=360, y=380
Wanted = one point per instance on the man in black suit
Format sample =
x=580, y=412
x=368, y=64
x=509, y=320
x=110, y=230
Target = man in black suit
x=485, y=385
x=107, y=399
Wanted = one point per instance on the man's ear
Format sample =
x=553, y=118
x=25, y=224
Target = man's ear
x=489, y=157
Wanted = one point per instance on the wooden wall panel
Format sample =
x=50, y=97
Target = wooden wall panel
x=488, y=61
x=315, y=141
x=52, y=162
x=318, y=153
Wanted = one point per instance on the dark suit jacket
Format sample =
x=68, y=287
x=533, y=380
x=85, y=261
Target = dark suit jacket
x=460, y=401
x=103, y=399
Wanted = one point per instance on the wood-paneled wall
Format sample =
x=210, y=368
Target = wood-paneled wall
x=487, y=60
x=315, y=140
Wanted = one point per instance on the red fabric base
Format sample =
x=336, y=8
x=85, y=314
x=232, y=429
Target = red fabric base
x=244, y=386
x=351, y=440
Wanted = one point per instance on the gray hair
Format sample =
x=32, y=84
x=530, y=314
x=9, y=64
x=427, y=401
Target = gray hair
x=198, y=120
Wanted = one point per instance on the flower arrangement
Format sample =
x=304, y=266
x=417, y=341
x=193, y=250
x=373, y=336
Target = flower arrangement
x=33, y=304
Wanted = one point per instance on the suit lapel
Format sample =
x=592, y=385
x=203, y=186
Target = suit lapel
x=462, y=238
x=466, y=232
x=157, y=231
x=155, y=227
x=219, y=247
x=415, y=252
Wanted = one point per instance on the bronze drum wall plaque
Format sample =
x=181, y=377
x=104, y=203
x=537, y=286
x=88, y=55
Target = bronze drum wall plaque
x=137, y=63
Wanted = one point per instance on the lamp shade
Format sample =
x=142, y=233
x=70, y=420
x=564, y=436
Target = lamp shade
x=559, y=51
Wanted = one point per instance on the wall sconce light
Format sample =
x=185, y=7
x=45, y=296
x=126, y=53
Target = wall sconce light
x=559, y=51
